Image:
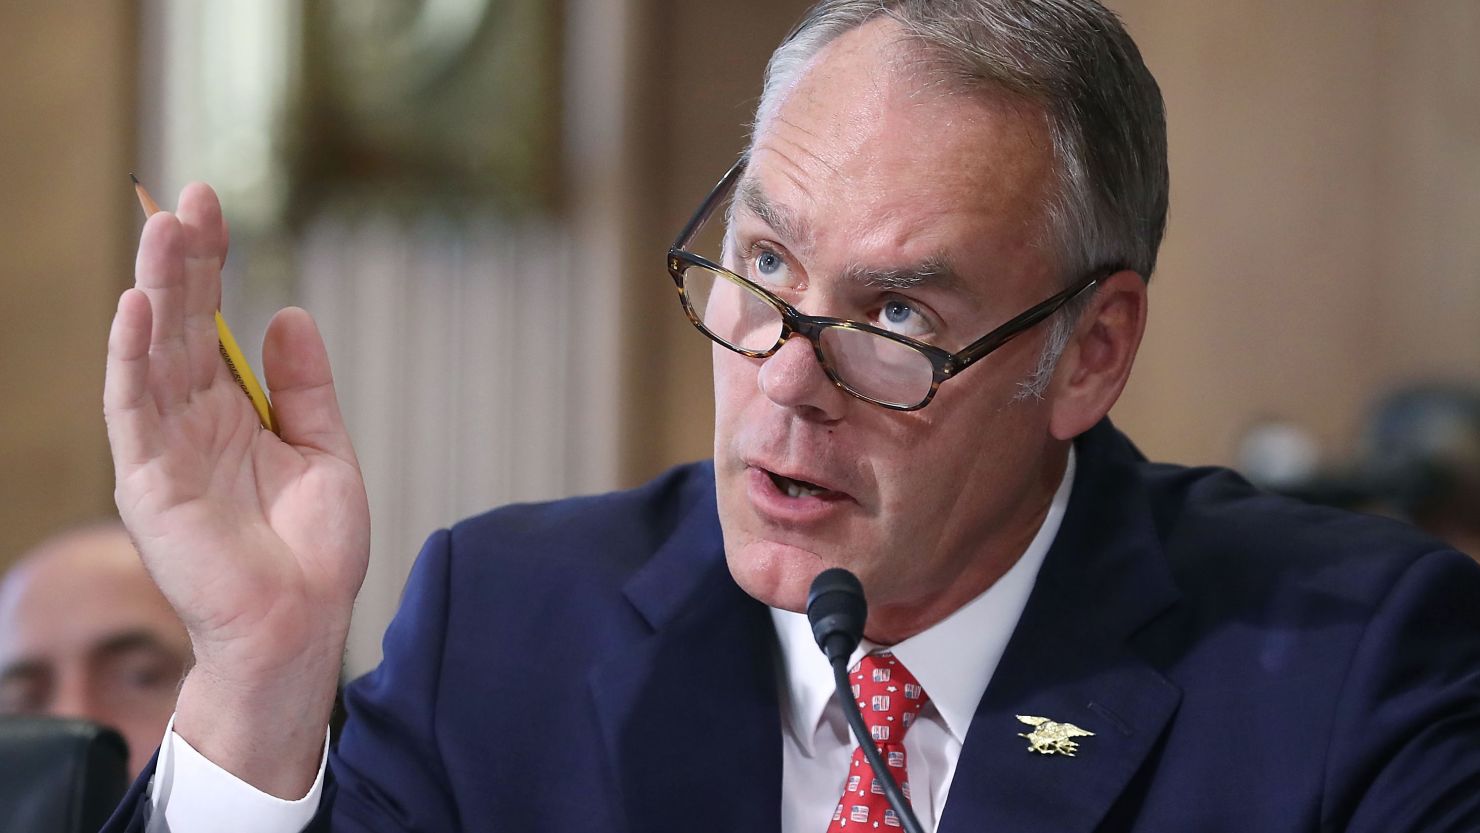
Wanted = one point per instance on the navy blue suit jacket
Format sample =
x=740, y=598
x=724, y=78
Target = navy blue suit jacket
x=1245, y=662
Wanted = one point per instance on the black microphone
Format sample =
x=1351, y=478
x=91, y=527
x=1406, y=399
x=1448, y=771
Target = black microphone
x=837, y=610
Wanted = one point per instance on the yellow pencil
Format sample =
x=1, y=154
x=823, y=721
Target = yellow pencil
x=236, y=362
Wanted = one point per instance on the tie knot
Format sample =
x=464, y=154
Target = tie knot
x=888, y=695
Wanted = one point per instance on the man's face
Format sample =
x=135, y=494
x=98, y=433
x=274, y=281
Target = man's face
x=869, y=168
x=84, y=633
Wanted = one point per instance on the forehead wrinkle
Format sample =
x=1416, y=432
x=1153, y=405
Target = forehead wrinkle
x=780, y=137
x=781, y=219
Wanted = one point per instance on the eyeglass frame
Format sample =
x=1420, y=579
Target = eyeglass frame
x=944, y=364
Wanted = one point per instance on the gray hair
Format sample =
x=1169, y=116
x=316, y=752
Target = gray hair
x=1073, y=59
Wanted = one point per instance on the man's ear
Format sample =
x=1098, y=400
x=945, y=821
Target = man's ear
x=1097, y=360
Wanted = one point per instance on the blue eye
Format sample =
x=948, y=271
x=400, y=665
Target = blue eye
x=902, y=317
x=897, y=312
x=769, y=268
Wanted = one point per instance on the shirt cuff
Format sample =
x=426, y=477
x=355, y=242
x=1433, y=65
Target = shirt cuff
x=190, y=793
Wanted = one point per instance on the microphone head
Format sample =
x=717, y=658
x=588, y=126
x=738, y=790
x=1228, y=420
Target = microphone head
x=837, y=610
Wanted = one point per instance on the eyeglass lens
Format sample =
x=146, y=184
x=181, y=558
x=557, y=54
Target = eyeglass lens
x=870, y=365
x=730, y=311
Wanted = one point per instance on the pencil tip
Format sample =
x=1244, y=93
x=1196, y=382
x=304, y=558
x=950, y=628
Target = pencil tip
x=134, y=178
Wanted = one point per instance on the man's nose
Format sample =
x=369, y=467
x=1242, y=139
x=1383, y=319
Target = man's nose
x=793, y=378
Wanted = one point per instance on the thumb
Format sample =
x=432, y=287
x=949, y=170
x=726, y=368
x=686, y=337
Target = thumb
x=297, y=369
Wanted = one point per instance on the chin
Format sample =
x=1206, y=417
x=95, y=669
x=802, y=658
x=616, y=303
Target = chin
x=777, y=575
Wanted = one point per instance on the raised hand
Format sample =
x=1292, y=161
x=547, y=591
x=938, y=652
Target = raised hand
x=259, y=541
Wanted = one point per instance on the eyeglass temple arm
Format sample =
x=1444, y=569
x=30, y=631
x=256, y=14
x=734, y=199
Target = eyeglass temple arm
x=1023, y=322
x=721, y=189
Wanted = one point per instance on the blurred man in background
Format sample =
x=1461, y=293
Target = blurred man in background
x=84, y=633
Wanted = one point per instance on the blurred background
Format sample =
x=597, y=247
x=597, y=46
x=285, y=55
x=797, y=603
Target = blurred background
x=474, y=198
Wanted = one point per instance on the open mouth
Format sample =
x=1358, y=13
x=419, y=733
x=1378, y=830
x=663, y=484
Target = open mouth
x=800, y=488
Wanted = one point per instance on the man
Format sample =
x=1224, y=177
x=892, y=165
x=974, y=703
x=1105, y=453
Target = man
x=85, y=633
x=933, y=190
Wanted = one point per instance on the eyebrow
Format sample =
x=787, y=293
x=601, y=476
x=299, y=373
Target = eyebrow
x=110, y=646
x=22, y=669
x=793, y=229
x=933, y=271
x=122, y=643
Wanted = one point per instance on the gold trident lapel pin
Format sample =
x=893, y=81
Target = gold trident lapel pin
x=1050, y=738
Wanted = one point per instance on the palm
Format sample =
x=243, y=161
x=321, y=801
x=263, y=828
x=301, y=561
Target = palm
x=252, y=537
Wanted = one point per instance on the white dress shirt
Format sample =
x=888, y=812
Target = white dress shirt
x=189, y=794
x=953, y=660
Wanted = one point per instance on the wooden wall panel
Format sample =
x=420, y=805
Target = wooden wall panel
x=1428, y=285
x=1324, y=201
x=65, y=235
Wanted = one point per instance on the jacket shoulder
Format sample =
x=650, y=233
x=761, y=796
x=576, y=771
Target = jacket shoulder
x=1221, y=534
x=615, y=532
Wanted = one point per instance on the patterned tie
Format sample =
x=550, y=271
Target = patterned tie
x=889, y=697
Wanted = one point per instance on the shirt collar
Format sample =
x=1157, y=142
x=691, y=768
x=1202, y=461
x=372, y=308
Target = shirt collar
x=953, y=659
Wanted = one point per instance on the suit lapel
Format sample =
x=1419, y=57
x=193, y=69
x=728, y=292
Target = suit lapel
x=689, y=716
x=1070, y=661
x=690, y=720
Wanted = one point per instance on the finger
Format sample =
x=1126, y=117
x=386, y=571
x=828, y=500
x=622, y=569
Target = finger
x=205, y=242
x=297, y=369
x=128, y=409
x=160, y=272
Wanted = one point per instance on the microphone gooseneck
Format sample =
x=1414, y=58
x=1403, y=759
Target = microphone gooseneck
x=837, y=610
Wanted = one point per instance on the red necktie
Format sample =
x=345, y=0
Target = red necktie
x=889, y=697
